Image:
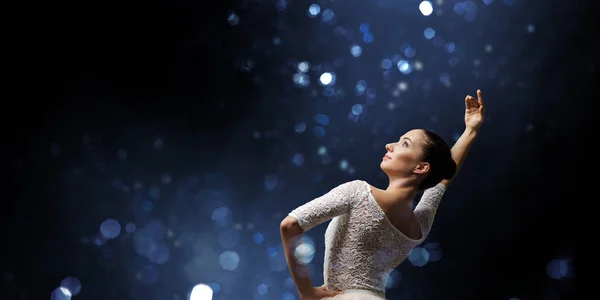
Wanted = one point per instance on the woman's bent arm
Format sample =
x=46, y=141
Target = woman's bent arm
x=291, y=233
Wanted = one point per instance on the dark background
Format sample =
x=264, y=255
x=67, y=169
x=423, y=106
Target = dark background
x=96, y=77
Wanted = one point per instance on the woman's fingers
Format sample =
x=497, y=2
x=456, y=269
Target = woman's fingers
x=470, y=102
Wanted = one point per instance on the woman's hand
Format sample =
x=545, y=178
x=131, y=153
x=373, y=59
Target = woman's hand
x=474, y=111
x=318, y=293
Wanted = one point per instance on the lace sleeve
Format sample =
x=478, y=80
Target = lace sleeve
x=338, y=201
x=428, y=205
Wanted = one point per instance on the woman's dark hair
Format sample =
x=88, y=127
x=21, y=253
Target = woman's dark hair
x=441, y=165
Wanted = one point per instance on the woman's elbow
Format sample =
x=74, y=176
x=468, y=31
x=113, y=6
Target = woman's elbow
x=290, y=225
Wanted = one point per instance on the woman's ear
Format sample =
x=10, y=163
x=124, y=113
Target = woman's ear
x=422, y=168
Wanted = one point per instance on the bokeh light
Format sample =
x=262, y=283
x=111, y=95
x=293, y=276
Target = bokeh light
x=426, y=8
x=72, y=285
x=419, y=256
x=110, y=229
x=60, y=293
x=201, y=292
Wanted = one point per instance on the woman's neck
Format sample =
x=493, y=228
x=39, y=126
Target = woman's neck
x=402, y=190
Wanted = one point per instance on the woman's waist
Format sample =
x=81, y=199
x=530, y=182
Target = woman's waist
x=355, y=287
x=363, y=291
x=364, y=278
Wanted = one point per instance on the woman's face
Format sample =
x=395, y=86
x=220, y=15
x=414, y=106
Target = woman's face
x=404, y=157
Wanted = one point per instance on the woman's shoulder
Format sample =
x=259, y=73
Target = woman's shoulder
x=356, y=183
x=355, y=187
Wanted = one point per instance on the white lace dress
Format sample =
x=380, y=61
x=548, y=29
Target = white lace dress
x=362, y=246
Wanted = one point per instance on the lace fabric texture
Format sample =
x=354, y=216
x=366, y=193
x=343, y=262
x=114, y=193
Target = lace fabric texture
x=354, y=295
x=362, y=247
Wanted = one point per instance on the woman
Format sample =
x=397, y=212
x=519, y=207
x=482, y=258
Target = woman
x=372, y=230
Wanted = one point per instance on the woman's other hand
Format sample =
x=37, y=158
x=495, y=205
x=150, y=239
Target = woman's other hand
x=474, y=111
x=318, y=293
